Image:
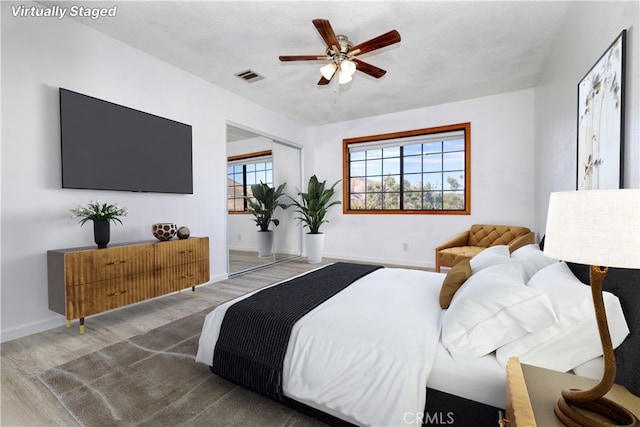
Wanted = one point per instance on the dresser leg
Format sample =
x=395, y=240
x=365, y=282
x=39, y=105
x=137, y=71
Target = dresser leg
x=68, y=323
x=81, y=325
x=193, y=291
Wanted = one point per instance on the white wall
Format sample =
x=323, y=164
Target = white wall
x=501, y=178
x=589, y=29
x=39, y=55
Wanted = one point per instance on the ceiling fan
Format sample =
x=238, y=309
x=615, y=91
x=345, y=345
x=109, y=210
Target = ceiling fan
x=342, y=54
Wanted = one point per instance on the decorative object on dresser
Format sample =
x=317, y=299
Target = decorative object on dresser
x=312, y=209
x=164, y=230
x=183, y=232
x=84, y=281
x=598, y=228
x=101, y=233
x=101, y=214
x=601, y=120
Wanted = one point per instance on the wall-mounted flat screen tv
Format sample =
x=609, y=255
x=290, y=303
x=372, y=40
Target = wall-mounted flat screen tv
x=106, y=146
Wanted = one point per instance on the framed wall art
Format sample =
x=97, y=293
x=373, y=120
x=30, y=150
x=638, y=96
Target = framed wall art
x=601, y=120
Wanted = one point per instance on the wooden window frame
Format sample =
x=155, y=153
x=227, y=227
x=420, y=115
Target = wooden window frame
x=346, y=181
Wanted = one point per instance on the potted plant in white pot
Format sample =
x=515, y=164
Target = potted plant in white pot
x=312, y=208
x=262, y=204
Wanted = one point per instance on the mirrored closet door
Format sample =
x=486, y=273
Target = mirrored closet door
x=253, y=158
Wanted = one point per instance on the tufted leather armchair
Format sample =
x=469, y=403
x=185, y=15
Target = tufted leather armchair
x=469, y=243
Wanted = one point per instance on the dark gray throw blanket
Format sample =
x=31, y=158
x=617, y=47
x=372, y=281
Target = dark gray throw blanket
x=255, y=331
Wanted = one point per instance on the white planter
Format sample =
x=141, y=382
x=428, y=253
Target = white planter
x=265, y=243
x=315, y=247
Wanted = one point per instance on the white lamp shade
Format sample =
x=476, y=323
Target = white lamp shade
x=594, y=227
x=328, y=70
x=348, y=67
x=344, y=78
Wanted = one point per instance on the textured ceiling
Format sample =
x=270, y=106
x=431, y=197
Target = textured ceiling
x=449, y=50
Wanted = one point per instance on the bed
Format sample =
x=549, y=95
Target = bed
x=382, y=350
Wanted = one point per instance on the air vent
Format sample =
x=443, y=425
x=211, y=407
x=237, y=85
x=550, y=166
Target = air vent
x=249, y=76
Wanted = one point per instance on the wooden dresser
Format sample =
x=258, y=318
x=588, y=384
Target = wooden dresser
x=532, y=393
x=86, y=281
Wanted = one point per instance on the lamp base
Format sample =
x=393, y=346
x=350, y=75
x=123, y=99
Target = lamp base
x=602, y=406
x=593, y=400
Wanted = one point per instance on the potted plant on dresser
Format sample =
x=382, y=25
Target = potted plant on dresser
x=102, y=214
x=262, y=204
x=312, y=207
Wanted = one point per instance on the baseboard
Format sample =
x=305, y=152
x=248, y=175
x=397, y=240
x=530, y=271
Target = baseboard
x=31, y=328
x=374, y=260
x=217, y=278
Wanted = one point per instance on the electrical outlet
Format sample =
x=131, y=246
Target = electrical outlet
x=239, y=236
x=405, y=247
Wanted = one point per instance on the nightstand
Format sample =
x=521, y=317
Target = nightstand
x=532, y=393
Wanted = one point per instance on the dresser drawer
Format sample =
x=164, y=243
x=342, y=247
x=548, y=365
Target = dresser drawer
x=178, y=252
x=84, y=300
x=97, y=265
x=182, y=276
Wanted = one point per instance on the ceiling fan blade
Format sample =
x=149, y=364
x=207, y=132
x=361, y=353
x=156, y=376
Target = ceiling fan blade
x=381, y=41
x=326, y=32
x=369, y=69
x=323, y=81
x=302, y=57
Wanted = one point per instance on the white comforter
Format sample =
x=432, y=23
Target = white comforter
x=364, y=355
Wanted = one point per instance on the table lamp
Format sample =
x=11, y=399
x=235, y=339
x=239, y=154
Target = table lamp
x=600, y=228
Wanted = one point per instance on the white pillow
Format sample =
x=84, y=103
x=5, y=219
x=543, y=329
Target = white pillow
x=574, y=339
x=493, y=255
x=532, y=258
x=492, y=308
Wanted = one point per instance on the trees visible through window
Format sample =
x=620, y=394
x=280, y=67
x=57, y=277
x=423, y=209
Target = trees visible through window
x=242, y=172
x=420, y=171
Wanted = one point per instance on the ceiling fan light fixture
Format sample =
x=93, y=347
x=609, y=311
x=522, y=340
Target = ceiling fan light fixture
x=347, y=67
x=341, y=54
x=328, y=70
x=344, y=78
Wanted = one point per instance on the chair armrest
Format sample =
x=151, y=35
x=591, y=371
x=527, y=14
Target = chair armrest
x=521, y=241
x=460, y=240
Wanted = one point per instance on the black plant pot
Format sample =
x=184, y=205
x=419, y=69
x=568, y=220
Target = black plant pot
x=101, y=233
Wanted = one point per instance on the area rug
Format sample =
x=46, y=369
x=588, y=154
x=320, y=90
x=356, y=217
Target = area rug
x=152, y=379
